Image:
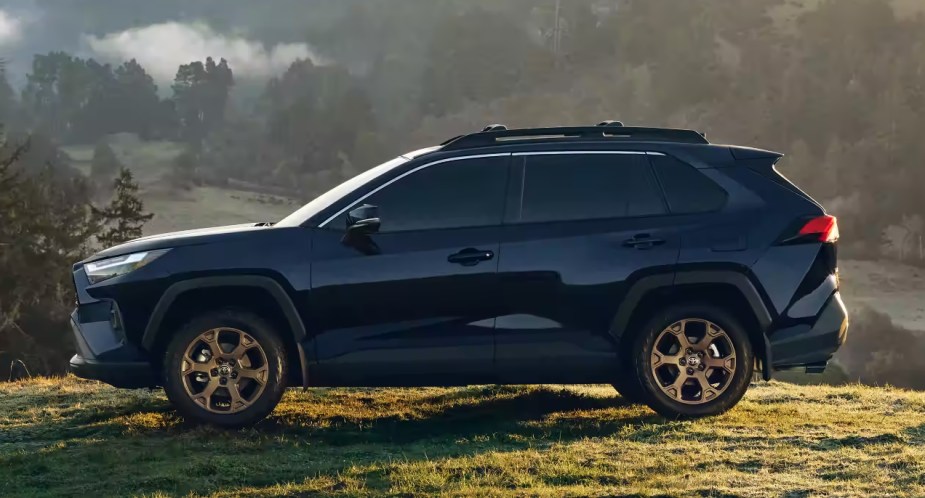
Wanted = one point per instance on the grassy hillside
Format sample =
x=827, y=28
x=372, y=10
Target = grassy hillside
x=176, y=209
x=69, y=437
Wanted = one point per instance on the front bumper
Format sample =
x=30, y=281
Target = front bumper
x=104, y=355
x=811, y=346
x=133, y=374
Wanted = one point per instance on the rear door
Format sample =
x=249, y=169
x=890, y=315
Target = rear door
x=580, y=228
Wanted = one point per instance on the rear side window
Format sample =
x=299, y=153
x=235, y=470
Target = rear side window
x=588, y=186
x=687, y=189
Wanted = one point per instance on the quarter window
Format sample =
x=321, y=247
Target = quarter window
x=588, y=186
x=688, y=190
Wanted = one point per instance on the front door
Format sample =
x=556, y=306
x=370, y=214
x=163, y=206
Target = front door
x=415, y=303
x=584, y=226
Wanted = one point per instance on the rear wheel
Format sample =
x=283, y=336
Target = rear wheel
x=693, y=360
x=225, y=368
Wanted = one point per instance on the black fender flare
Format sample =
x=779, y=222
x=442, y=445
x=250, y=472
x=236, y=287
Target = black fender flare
x=291, y=314
x=643, y=286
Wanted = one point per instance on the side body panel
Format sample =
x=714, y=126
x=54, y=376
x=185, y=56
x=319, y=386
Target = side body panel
x=561, y=284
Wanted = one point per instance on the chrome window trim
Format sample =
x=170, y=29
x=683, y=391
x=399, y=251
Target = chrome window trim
x=479, y=156
x=406, y=173
x=580, y=152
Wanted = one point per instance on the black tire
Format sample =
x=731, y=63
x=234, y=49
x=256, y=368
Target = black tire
x=268, y=340
x=626, y=383
x=737, y=383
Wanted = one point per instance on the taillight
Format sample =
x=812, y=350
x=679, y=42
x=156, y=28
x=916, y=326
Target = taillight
x=820, y=229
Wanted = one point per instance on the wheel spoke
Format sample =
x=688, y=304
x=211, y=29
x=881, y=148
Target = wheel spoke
x=189, y=366
x=706, y=390
x=727, y=363
x=205, y=397
x=257, y=374
x=237, y=402
x=674, y=389
x=245, y=343
x=659, y=359
x=679, y=330
x=211, y=340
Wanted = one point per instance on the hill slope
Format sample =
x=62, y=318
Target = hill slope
x=69, y=437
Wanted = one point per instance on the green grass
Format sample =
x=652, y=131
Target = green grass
x=70, y=437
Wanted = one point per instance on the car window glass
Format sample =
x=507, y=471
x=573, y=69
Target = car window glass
x=687, y=189
x=588, y=186
x=454, y=194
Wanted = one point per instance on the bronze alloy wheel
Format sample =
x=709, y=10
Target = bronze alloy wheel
x=693, y=361
x=224, y=370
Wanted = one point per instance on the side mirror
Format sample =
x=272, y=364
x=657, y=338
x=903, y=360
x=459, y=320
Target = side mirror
x=363, y=220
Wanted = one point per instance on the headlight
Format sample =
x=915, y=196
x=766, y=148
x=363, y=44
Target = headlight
x=105, y=269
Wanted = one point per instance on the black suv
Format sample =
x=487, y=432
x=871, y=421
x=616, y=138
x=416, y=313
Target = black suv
x=640, y=257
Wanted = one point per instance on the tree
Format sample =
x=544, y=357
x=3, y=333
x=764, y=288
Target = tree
x=122, y=220
x=135, y=90
x=200, y=94
x=44, y=228
x=105, y=163
x=315, y=114
x=182, y=174
x=8, y=104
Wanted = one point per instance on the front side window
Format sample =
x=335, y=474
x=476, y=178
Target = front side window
x=588, y=186
x=454, y=194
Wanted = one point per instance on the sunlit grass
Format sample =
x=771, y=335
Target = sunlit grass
x=70, y=437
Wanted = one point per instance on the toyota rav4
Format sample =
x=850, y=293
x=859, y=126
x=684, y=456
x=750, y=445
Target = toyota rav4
x=645, y=258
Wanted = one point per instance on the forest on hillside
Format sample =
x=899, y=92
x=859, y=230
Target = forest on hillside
x=305, y=94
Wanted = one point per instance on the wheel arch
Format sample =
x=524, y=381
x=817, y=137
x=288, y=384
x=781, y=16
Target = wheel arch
x=730, y=289
x=256, y=293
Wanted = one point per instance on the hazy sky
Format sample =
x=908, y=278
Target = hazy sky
x=160, y=36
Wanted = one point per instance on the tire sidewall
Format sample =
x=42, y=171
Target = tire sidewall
x=254, y=326
x=661, y=402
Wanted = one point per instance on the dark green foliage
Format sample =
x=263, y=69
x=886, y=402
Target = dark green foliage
x=200, y=94
x=105, y=164
x=44, y=228
x=124, y=217
x=77, y=100
x=183, y=174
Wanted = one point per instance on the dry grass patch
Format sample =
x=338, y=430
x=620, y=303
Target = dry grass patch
x=68, y=437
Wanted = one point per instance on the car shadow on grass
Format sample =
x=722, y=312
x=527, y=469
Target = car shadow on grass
x=518, y=412
x=478, y=412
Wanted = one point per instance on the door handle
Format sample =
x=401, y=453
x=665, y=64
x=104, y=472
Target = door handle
x=470, y=256
x=643, y=241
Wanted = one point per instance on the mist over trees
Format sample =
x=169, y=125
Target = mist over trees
x=837, y=85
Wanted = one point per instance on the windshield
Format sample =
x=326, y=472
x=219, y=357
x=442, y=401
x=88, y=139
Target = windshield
x=335, y=194
x=331, y=196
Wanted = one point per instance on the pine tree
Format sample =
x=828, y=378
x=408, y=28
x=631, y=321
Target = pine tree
x=105, y=163
x=122, y=220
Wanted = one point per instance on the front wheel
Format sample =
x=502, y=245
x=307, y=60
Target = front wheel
x=225, y=368
x=693, y=361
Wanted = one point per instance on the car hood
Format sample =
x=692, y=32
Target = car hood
x=177, y=239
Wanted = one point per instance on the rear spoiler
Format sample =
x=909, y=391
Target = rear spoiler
x=762, y=162
x=745, y=153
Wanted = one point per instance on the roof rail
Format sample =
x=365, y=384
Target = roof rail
x=604, y=132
